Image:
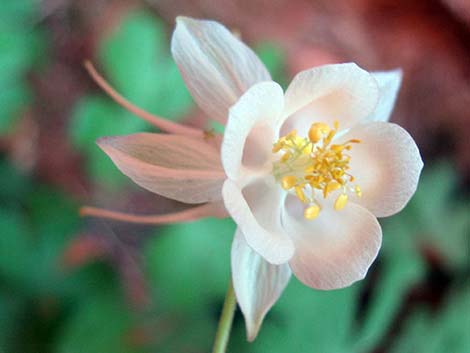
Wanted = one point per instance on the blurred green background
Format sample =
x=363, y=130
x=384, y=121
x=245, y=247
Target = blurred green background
x=70, y=285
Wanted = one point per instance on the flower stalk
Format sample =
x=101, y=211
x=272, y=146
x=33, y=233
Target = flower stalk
x=225, y=322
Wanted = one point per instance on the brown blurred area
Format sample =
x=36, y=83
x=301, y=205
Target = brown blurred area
x=428, y=39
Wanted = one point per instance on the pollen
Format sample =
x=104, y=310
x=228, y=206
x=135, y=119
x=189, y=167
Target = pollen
x=341, y=202
x=312, y=168
x=312, y=212
x=317, y=131
x=288, y=182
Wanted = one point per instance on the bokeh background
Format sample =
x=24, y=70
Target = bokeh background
x=72, y=285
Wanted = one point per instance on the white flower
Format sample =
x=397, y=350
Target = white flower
x=304, y=173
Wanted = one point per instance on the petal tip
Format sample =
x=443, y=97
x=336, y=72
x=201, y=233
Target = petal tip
x=105, y=141
x=252, y=330
x=181, y=20
x=398, y=72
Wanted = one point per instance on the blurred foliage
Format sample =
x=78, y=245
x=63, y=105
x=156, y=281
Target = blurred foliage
x=445, y=330
x=135, y=58
x=440, y=224
x=45, y=306
x=22, y=46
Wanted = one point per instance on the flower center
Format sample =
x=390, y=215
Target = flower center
x=313, y=165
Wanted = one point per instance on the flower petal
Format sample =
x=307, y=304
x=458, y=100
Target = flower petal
x=216, y=66
x=389, y=84
x=334, y=250
x=257, y=213
x=178, y=167
x=252, y=129
x=342, y=92
x=257, y=283
x=386, y=165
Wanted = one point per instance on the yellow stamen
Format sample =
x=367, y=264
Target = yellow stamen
x=291, y=134
x=314, y=165
x=331, y=186
x=358, y=191
x=299, y=191
x=288, y=182
x=318, y=131
x=286, y=157
x=278, y=146
x=312, y=212
x=341, y=202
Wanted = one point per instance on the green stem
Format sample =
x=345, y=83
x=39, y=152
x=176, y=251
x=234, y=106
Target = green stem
x=225, y=322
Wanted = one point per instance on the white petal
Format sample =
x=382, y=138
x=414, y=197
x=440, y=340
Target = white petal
x=258, y=284
x=334, y=250
x=389, y=84
x=252, y=129
x=386, y=165
x=342, y=92
x=178, y=167
x=216, y=66
x=257, y=213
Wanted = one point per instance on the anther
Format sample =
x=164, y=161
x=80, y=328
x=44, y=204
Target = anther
x=312, y=212
x=341, y=202
x=331, y=186
x=288, y=182
x=317, y=131
x=299, y=191
x=315, y=165
x=358, y=191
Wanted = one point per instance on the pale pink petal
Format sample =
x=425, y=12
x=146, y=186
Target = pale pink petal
x=258, y=284
x=178, y=167
x=386, y=165
x=216, y=66
x=256, y=211
x=334, y=250
x=252, y=129
x=339, y=92
x=389, y=84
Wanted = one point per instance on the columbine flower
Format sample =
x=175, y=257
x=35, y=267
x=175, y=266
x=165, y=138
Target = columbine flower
x=304, y=173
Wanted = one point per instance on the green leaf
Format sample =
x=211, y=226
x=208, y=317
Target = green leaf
x=13, y=102
x=54, y=218
x=10, y=313
x=100, y=324
x=397, y=276
x=15, y=185
x=18, y=52
x=434, y=202
x=274, y=58
x=189, y=263
x=136, y=59
x=21, y=47
x=130, y=52
x=18, y=12
x=15, y=247
x=444, y=331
